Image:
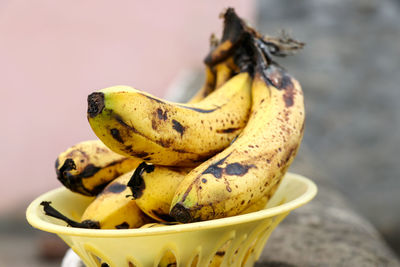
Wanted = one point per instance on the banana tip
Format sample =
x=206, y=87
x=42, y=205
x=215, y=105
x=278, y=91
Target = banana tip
x=181, y=214
x=95, y=104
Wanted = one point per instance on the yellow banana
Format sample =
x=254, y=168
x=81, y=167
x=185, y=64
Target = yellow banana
x=134, y=123
x=215, y=77
x=153, y=188
x=111, y=209
x=114, y=209
x=88, y=166
x=248, y=169
x=223, y=72
x=262, y=202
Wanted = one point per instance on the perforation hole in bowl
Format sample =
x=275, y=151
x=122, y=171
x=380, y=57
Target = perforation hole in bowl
x=93, y=256
x=254, y=238
x=251, y=248
x=195, y=261
x=216, y=259
x=237, y=247
x=168, y=259
x=220, y=254
x=131, y=264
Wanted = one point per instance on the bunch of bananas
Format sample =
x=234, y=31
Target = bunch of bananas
x=221, y=154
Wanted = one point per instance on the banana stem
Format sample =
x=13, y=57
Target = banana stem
x=236, y=32
x=51, y=211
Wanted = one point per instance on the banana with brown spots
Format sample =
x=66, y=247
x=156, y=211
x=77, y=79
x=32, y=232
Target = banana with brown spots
x=111, y=209
x=136, y=197
x=254, y=164
x=216, y=76
x=153, y=188
x=87, y=167
x=134, y=123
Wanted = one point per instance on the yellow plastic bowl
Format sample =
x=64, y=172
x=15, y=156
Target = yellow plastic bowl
x=243, y=237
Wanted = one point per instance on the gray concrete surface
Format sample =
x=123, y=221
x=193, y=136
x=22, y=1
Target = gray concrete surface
x=350, y=73
x=328, y=231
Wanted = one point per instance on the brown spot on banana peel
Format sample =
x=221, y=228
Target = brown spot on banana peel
x=141, y=154
x=116, y=135
x=237, y=169
x=166, y=143
x=228, y=130
x=154, y=124
x=114, y=188
x=123, y=225
x=180, y=213
x=227, y=185
x=162, y=115
x=213, y=169
x=90, y=170
x=276, y=76
x=177, y=126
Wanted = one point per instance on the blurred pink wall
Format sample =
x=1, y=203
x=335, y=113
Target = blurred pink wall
x=54, y=53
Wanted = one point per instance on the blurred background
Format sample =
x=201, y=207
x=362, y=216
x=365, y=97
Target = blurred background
x=53, y=54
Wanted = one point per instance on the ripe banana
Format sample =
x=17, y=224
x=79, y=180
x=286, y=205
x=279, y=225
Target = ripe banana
x=134, y=123
x=248, y=169
x=111, y=209
x=114, y=209
x=262, y=202
x=153, y=188
x=88, y=166
x=223, y=72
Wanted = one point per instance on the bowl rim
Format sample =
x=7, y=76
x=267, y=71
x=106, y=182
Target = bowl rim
x=35, y=221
